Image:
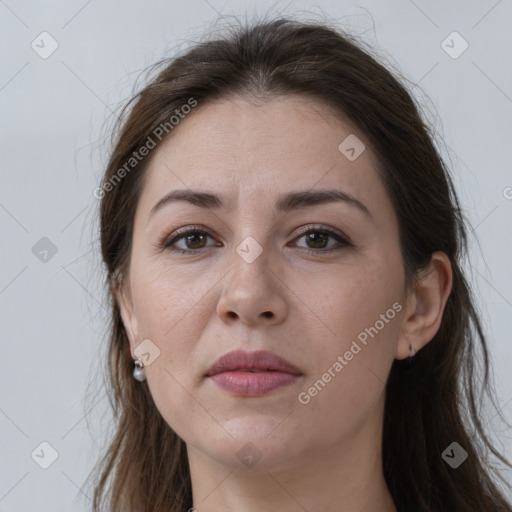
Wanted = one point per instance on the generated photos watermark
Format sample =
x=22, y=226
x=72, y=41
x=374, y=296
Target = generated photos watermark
x=305, y=397
x=137, y=156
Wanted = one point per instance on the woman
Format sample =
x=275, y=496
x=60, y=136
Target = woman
x=291, y=328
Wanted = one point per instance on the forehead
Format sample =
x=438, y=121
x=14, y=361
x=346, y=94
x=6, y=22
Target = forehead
x=255, y=148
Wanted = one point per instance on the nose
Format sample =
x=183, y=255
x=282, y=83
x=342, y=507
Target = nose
x=253, y=293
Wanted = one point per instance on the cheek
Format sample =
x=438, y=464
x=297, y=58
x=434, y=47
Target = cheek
x=352, y=300
x=167, y=297
x=172, y=311
x=361, y=307
x=352, y=365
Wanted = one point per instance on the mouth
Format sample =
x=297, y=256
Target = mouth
x=256, y=371
x=252, y=373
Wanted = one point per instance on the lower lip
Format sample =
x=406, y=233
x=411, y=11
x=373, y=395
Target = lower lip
x=253, y=383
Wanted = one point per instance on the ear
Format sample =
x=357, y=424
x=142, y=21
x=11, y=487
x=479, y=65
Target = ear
x=425, y=305
x=125, y=302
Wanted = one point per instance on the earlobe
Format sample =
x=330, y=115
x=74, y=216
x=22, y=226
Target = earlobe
x=125, y=304
x=425, y=306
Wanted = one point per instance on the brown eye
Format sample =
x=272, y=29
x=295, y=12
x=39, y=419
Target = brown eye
x=191, y=240
x=195, y=240
x=317, y=240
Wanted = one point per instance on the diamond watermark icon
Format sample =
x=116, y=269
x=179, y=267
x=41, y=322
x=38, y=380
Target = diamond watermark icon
x=147, y=351
x=249, y=249
x=44, y=250
x=44, y=455
x=454, y=45
x=351, y=147
x=44, y=45
x=249, y=455
x=454, y=455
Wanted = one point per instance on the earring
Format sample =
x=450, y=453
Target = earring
x=413, y=351
x=138, y=372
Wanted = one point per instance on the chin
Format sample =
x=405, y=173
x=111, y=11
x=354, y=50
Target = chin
x=251, y=455
x=255, y=444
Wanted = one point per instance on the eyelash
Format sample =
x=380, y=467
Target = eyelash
x=166, y=242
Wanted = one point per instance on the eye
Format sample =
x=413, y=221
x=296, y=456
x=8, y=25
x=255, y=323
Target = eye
x=192, y=238
x=318, y=243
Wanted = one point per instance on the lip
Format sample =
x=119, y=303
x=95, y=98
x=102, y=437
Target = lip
x=230, y=373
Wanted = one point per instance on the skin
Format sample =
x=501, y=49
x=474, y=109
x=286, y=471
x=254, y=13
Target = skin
x=307, y=308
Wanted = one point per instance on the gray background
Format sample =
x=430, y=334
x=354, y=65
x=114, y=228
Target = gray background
x=54, y=119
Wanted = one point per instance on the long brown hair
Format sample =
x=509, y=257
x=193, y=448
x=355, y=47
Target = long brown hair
x=430, y=403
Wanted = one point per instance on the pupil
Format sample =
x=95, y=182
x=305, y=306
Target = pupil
x=190, y=237
x=317, y=235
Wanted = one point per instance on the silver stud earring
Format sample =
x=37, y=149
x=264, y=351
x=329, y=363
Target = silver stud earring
x=138, y=372
x=413, y=351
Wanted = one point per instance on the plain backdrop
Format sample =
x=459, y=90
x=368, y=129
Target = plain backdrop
x=54, y=116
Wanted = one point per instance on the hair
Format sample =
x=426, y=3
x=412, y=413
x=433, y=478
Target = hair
x=430, y=403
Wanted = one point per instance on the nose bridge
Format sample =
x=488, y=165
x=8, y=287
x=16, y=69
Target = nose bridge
x=250, y=263
x=252, y=239
x=251, y=289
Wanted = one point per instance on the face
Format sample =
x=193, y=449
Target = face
x=317, y=283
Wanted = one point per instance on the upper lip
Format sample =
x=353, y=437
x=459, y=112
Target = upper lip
x=260, y=360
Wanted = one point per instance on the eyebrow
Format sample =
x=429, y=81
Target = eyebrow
x=285, y=203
